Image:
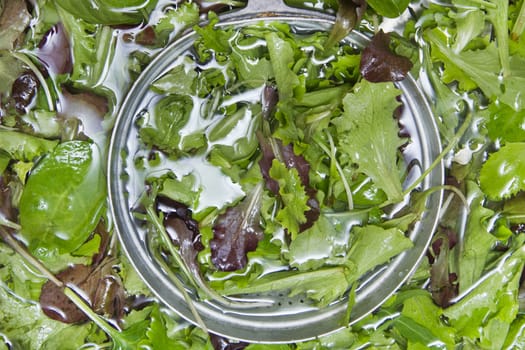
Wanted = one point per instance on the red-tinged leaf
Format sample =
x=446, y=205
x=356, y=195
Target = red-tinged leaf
x=101, y=288
x=237, y=232
x=6, y=200
x=56, y=304
x=24, y=90
x=443, y=283
x=54, y=51
x=380, y=64
x=221, y=343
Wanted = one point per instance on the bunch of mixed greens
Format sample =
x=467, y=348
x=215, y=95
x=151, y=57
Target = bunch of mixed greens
x=65, y=67
x=267, y=165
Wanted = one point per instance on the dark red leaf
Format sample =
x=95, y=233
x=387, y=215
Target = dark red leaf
x=221, y=343
x=24, y=90
x=54, y=51
x=443, y=283
x=56, y=304
x=380, y=64
x=101, y=287
x=237, y=232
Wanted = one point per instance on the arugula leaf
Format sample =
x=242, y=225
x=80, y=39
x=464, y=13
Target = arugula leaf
x=472, y=69
x=24, y=147
x=293, y=196
x=63, y=199
x=368, y=134
x=503, y=174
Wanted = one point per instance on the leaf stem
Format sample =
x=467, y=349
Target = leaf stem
x=453, y=142
x=519, y=25
x=21, y=250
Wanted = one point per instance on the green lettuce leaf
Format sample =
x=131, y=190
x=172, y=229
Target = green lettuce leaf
x=368, y=134
x=389, y=8
x=109, y=12
x=503, y=174
x=24, y=147
x=372, y=246
x=282, y=58
x=63, y=199
x=505, y=123
x=478, y=241
x=485, y=313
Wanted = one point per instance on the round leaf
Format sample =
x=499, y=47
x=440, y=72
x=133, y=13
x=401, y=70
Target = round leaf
x=63, y=198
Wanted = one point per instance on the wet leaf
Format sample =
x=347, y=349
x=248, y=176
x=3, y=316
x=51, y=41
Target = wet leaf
x=237, y=232
x=13, y=21
x=380, y=64
x=24, y=90
x=54, y=50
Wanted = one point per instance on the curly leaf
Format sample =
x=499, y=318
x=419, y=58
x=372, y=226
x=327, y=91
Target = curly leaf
x=293, y=195
x=368, y=133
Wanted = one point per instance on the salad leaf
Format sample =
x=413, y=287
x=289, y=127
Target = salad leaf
x=281, y=58
x=478, y=241
x=179, y=80
x=502, y=176
x=420, y=323
x=505, y=123
x=389, y=8
x=109, y=12
x=24, y=90
x=14, y=19
x=10, y=69
x=487, y=320
x=25, y=147
x=237, y=232
x=471, y=68
x=368, y=133
x=162, y=125
x=372, y=245
x=54, y=50
x=323, y=285
x=28, y=328
x=316, y=246
x=380, y=64
x=293, y=195
x=62, y=201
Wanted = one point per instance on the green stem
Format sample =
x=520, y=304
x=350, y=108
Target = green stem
x=20, y=249
x=442, y=155
x=519, y=25
x=10, y=224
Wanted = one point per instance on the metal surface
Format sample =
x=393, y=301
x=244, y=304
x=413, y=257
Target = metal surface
x=286, y=320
